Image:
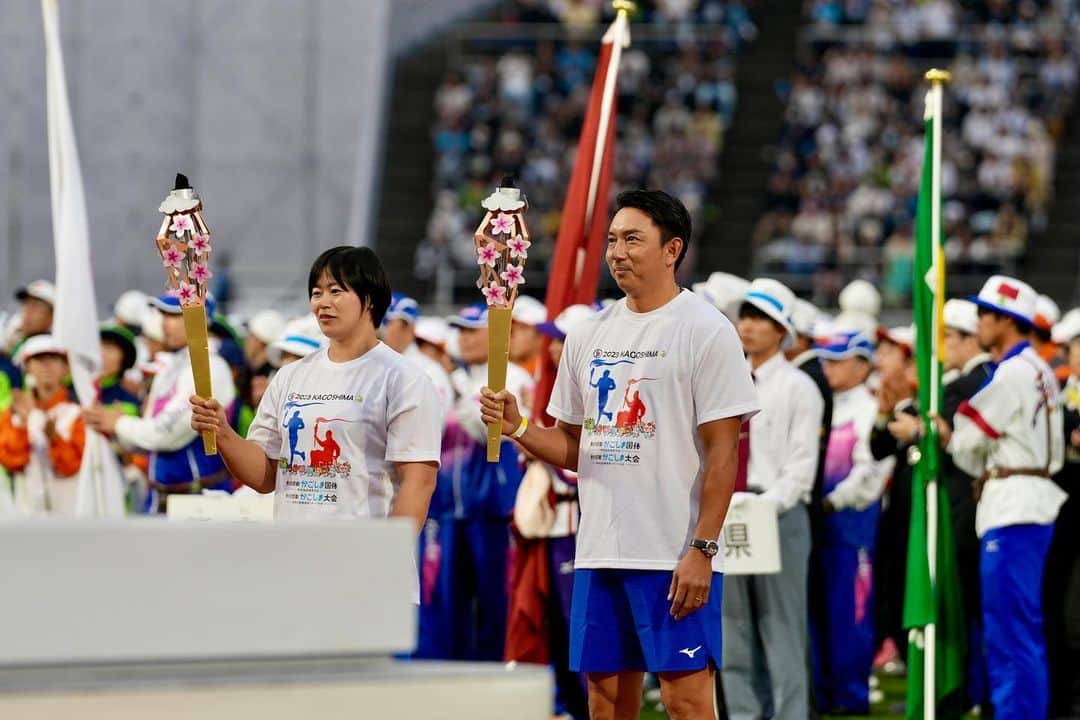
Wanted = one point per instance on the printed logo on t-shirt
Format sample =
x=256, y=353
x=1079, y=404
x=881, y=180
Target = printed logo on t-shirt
x=621, y=422
x=314, y=466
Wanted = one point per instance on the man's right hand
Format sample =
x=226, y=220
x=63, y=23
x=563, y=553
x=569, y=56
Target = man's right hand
x=208, y=415
x=500, y=407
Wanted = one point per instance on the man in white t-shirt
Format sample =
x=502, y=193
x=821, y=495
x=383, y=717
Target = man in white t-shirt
x=649, y=398
x=351, y=430
x=399, y=332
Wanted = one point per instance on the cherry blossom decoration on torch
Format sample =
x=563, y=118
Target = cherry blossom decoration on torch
x=183, y=242
x=502, y=247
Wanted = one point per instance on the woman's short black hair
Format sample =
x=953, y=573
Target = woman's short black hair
x=359, y=269
x=668, y=212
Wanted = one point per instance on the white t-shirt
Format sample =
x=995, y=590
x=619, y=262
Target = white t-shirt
x=640, y=384
x=337, y=429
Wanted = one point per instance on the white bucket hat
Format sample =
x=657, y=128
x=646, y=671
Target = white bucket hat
x=1008, y=296
x=774, y=299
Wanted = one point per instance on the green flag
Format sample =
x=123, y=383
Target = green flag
x=931, y=599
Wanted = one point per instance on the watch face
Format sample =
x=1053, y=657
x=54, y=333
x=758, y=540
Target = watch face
x=709, y=547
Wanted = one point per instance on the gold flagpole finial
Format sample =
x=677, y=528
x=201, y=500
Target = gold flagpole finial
x=938, y=76
x=624, y=7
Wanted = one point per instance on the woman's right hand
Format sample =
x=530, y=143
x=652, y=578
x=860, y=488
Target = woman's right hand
x=207, y=415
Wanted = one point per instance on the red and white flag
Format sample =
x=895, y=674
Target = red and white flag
x=579, y=248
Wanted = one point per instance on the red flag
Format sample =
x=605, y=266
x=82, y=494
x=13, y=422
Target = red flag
x=579, y=247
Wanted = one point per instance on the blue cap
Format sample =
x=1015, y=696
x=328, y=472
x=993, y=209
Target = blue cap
x=402, y=307
x=170, y=304
x=842, y=345
x=472, y=317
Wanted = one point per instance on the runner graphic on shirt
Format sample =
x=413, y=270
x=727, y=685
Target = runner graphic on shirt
x=604, y=385
x=314, y=480
x=294, y=425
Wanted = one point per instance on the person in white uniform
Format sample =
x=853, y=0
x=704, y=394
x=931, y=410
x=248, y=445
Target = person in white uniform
x=765, y=673
x=1010, y=436
x=351, y=430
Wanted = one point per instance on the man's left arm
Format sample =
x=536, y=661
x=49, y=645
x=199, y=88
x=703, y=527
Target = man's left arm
x=692, y=578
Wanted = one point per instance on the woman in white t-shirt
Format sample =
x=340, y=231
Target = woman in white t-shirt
x=351, y=430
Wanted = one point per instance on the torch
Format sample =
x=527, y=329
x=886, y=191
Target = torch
x=502, y=246
x=183, y=242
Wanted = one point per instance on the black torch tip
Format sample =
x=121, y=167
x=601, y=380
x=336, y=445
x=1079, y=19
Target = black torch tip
x=508, y=181
x=181, y=182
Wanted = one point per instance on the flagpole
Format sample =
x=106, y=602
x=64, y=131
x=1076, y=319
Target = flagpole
x=619, y=33
x=937, y=79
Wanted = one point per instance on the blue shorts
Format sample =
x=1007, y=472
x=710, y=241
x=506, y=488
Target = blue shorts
x=620, y=620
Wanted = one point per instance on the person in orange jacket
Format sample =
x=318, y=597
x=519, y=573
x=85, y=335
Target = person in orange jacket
x=42, y=434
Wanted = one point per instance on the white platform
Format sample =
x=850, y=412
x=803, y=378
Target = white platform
x=326, y=690
x=145, y=589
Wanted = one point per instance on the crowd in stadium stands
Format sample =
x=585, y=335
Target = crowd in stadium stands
x=843, y=193
x=520, y=112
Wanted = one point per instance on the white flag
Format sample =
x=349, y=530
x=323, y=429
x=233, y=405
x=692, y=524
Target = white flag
x=75, y=322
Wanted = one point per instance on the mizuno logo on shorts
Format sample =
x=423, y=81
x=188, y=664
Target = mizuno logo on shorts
x=690, y=653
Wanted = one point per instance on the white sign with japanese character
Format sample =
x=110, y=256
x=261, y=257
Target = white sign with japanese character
x=751, y=539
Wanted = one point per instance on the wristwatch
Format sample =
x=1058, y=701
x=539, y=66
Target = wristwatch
x=709, y=547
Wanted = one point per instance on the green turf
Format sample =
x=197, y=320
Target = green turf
x=890, y=707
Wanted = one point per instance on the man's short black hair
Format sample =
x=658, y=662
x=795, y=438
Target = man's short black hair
x=358, y=269
x=668, y=212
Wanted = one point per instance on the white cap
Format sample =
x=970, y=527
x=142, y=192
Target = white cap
x=1047, y=312
x=902, y=335
x=433, y=330
x=38, y=345
x=568, y=319
x=40, y=289
x=805, y=317
x=862, y=322
x=301, y=337
x=130, y=308
x=529, y=311
x=1067, y=328
x=266, y=325
x=1008, y=296
x=962, y=315
x=774, y=299
x=859, y=296
x=153, y=325
x=724, y=290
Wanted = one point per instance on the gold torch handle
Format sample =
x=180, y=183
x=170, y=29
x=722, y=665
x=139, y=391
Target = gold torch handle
x=198, y=344
x=498, y=359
